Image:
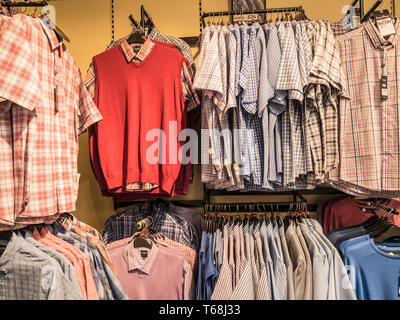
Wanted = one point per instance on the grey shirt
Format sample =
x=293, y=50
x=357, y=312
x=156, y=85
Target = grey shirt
x=27, y=273
x=65, y=264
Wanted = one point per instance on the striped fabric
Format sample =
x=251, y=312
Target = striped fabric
x=278, y=265
x=279, y=289
x=288, y=263
x=268, y=260
x=282, y=279
x=244, y=289
x=224, y=287
x=264, y=288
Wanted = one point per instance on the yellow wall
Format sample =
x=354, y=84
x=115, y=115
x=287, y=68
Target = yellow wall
x=88, y=25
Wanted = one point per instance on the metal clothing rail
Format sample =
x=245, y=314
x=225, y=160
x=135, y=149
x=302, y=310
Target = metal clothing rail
x=241, y=12
x=11, y=4
x=259, y=207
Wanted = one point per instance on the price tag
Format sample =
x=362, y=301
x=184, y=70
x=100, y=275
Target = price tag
x=385, y=26
x=384, y=90
x=245, y=17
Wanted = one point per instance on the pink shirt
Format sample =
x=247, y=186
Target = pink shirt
x=153, y=274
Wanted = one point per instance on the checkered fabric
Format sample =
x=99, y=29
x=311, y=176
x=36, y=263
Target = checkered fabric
x=289, y=73
x=123, y=225
x=38, y=74
x=27, y=273
x=369, y=136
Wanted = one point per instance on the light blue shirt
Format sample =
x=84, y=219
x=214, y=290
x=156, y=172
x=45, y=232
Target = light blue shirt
x=375, y=273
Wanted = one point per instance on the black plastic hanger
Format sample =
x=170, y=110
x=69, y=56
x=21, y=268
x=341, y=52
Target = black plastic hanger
x=136, y=37
x=141, y=242
x=392, y=235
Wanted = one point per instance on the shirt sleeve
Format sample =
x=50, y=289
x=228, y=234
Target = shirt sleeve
x=88, y=113
x=19, y=80
x=189, y=288
x=90, y=81
x=192, y=99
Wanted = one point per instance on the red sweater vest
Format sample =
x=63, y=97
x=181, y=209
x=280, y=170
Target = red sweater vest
x=136, y=102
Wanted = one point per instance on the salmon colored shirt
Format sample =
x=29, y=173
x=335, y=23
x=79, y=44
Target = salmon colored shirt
x=43, y=240
x=83, y=264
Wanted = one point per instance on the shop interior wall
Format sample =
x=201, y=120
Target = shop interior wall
x=88, y=24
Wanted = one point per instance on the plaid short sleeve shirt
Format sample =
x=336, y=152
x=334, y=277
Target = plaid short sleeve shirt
x=370, y=135
x=50, y=108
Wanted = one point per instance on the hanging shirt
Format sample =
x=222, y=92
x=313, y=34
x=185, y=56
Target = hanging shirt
x=50, y=108
x=340, y=287
x=276, y=106
x=65, y=265
x=123, y=225
x=116, y=70
x=264, y=286
x=270, y=272
x=299, y=262
x=144, y=271
x=346, y=212
x=375, y=270
x=320, y=267
x=372, y=171
x=210, y=271
x=224, y=286
x=288, y=263
x=29, y=274
x=280, y=283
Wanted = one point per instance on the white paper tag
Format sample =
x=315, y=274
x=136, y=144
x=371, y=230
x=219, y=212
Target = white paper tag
x=385, y=26
x=245, y=17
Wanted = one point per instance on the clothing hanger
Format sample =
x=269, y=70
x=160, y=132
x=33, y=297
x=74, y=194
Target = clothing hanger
x=134, y=22
x=392, y=234
x=52, y=26
x=140, y=240
x=146, y=21
x=136, y=36
x=371, y=12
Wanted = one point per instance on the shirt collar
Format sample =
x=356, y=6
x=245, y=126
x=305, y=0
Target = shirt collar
x=135, y=261
x=143, y=52
x=376, y=38
x=55, y=42
x=10, y=251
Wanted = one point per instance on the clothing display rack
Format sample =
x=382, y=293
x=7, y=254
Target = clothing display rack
x=370, y=11
x=147, y=21
x=259, y=207
x=11, y=4
x=241, y=12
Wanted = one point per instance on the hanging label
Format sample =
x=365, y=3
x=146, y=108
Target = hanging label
x=384, y=88
x=385, y=26
x=245, y=17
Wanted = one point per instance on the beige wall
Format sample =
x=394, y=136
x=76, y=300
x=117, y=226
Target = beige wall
x=87, y=23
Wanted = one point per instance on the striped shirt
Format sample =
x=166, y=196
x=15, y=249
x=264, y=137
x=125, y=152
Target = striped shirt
x=224, y=287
